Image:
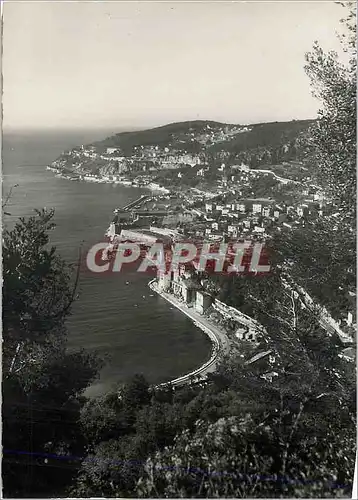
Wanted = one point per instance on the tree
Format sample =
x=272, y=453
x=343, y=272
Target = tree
x=321, y=255
x=101, y=420
x=333, y=138
x=236, y=458
x=106, y=472
x=280, y=428
x=42, y=382
x=321, y=258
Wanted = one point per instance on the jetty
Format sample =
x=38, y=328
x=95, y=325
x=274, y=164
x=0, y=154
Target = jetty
x=134, y=203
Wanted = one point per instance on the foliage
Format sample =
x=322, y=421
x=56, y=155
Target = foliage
x=42, y=382
x=321, y=258
x=262, y=144
x=267, y=143
x=269, y=428
x=237, y=458
x=159, y=135
x=333, y=139
x=263, y=429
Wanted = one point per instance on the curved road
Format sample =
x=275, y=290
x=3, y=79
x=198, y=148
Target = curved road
x=219, y=338
x=284, y=180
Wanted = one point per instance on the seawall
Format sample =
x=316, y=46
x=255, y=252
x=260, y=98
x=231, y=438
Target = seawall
x=220, y=340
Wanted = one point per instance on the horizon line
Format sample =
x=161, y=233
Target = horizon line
x=7, y=129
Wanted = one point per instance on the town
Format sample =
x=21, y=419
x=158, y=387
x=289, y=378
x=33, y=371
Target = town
x=208, y=182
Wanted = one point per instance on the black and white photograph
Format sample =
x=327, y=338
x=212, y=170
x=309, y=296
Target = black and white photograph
x=179, y=249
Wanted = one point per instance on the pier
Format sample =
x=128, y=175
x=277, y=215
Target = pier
x=134, y=203
x=152, y=213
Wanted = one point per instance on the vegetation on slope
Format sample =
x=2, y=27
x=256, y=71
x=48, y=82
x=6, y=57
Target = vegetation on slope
x=178, y=136
x=161, y=136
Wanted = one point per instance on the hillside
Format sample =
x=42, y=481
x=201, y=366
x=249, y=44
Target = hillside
x=174, y=135
x=212, y=137
x=177, y=145
x=265, y=135
x=235, y=138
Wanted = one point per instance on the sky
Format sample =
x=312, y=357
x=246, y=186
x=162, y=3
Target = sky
x=138, y=64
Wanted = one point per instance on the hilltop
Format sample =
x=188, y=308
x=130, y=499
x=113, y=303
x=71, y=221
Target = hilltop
x=200, y=135
x=166, y=153
x=177, y=135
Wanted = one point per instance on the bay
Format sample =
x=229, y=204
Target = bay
x=116, y=315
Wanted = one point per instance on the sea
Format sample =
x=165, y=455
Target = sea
x=116, y=315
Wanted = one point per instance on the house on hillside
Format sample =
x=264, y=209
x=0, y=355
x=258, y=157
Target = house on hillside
x=246, y=333
x=209, y=207
x=264, y=362
x=266, y=211
x=256, y=208
x=112, y=150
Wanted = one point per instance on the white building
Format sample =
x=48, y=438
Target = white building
x=318, y=196
x=111, y=150
x=245, y=333
x=208, y=207
x=256, y=208
x=203, y=301
x=164, y=281
x=232, y=230
x=243, y=168
x=350, y=319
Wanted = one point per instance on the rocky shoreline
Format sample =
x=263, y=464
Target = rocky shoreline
x=101, y=180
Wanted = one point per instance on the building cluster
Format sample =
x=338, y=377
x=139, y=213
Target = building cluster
x=191, y=291
x=111, y=163
x=216, y=135
x=233, y=216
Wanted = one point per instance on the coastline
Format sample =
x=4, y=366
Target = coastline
x=97, y=180
x=218, y=338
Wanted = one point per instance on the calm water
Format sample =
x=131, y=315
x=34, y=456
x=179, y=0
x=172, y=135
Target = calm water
x=115, y=314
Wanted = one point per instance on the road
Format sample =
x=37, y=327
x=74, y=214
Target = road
x=325, y=320
x=218, y=337
x=280, y=179
x=134, y=203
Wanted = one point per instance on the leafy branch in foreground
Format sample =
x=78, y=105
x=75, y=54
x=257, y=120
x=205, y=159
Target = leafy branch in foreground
x=43, y=382
x=333, y=138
